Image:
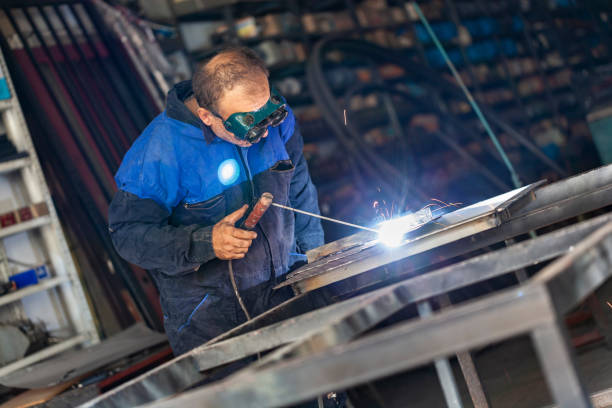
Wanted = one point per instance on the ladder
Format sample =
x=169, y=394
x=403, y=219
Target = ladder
x=42, y=234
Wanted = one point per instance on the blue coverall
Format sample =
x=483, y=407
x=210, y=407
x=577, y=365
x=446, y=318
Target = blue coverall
x=174, y=185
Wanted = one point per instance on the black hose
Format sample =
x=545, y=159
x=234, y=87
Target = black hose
x=230, y=270
x=347, y=135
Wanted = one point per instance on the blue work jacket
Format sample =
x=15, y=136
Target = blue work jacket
x=176, y=181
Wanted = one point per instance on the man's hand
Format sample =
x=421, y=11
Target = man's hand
x=228, y=241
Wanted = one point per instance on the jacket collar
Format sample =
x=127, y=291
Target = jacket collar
x=176, y=109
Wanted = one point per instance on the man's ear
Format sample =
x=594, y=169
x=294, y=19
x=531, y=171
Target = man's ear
x=205, y=116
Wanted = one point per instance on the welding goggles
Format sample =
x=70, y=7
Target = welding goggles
x=251, y=126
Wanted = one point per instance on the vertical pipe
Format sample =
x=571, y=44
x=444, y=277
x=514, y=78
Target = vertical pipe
x=443, y=368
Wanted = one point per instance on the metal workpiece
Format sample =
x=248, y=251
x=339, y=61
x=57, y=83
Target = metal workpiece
x=187, y=369
x=326, y=349
x=553, y=203
x=384, y=353
x=449, y=227
x=525, y=309
x=183, y=371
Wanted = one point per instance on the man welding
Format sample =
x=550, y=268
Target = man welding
x=186, y=183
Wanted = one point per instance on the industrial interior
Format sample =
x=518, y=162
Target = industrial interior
x=302, y=203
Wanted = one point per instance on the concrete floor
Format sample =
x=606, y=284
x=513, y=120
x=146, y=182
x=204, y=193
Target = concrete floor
x=510, y=373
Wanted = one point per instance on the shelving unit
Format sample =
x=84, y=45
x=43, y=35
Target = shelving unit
x=41, y=237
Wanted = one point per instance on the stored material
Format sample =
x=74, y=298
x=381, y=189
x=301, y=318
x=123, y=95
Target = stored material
x=37, y=215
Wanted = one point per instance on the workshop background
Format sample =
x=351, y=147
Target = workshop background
x=385, y=125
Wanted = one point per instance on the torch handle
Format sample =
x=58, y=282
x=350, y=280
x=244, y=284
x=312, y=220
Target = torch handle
x=258, y=211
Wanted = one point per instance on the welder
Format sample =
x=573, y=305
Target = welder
x=184, y=187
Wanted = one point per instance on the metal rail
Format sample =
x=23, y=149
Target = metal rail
x=532, y=308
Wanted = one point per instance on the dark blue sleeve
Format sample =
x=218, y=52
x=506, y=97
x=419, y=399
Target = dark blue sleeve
x=141, y=234
x=303, y=195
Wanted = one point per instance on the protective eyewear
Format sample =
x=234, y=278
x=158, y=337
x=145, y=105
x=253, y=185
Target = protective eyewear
x=251, y=126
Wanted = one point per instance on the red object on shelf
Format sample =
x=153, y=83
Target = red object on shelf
x=6, y=220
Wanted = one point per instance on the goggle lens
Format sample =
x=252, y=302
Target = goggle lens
x=276, y=118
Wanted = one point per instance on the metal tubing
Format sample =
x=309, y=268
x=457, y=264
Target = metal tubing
x=443, y=367
x=91, y=12
x=113, y=150
x=132, y=101
x=468, y=368
x=557, y=361
x=123, y=120
x=184, y=370
x=509, y=313
x=387, y=352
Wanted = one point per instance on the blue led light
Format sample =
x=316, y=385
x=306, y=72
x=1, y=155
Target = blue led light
x=228, y=172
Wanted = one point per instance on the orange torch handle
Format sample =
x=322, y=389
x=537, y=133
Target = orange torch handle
x=258, y=211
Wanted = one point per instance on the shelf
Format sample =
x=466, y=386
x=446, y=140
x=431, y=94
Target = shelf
x=43, y=354
x=12, y=165
x=25, y=226
x=45, y=284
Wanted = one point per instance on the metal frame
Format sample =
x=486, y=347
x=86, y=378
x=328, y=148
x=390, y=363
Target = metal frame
x=329, y=331
x=533, y=308
x=329, y=323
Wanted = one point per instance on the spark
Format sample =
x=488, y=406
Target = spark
x=345, y=117
x=609, y=304
x=439, y=201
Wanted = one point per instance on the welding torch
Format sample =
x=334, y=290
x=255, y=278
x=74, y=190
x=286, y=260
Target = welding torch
x=259, y=209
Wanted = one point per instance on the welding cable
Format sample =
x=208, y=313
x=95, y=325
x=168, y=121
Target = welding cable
x=362, y=156
x=230, y=270
x=496, y=181
x=485, y=123
x=432, y=82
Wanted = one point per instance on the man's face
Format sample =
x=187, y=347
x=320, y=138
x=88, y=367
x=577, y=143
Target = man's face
x=238, y=99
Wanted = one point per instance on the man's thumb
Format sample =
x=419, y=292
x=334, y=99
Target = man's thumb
x=236, y=215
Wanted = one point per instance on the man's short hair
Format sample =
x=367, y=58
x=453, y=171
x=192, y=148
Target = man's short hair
x=228, y=68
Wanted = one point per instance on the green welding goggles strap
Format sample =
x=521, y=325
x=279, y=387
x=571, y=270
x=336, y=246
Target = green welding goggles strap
x=251, y=126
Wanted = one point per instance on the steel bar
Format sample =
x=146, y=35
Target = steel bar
x=468, y=368
x=443, y=368
x=555, y=356
x=410, y=344
x=387, y=352
x=183, y=371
